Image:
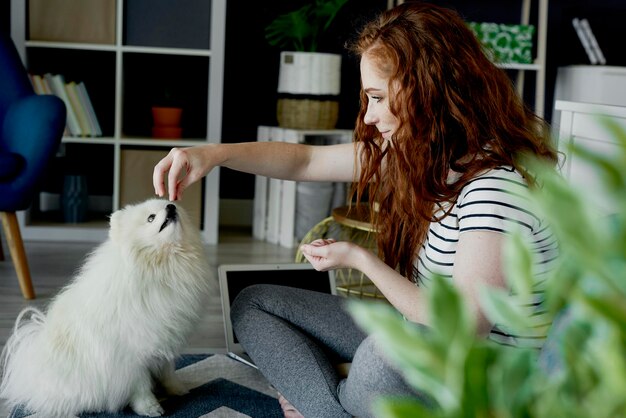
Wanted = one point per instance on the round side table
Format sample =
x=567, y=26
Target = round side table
x=348, y=223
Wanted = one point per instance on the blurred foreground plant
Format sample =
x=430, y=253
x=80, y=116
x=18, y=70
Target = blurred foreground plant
x=581, y=371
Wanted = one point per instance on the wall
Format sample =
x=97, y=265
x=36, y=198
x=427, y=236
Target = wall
x=5, y=16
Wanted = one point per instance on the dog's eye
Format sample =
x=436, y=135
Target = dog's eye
x=151, y=217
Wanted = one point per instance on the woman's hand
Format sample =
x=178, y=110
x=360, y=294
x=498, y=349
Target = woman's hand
x=182, y=167
x=328, y=254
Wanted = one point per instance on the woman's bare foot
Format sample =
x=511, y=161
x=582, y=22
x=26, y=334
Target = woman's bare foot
x=289, y=410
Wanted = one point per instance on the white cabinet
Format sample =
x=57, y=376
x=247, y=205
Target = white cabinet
x=599, y=84
x=155, y=45
x=581, y=124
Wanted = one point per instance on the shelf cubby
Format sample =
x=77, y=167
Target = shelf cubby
x=127, y=53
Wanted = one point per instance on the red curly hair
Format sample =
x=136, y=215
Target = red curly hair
x=456, y=110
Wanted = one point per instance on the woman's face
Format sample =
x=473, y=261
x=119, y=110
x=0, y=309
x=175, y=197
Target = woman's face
x=375, y=87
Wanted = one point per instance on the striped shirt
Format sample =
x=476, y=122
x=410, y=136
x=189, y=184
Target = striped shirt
x=493, y=201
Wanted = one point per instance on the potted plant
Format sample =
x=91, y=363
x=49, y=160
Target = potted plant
x=304, y=71
x=167, y=115
x=580, y=371
x=302, y=29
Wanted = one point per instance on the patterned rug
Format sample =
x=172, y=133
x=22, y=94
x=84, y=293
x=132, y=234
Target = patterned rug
x=220, y=387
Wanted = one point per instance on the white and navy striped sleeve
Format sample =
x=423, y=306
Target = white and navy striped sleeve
x=495, y=202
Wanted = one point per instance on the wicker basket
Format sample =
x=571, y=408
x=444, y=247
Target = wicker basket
x=307, y=113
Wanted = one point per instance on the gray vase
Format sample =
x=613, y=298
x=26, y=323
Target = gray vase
x=74, y=199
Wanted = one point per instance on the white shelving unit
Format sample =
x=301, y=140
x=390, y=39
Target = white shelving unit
x=118, y=139
x=540, y=60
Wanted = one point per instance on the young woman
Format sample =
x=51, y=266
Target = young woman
x=436, y=145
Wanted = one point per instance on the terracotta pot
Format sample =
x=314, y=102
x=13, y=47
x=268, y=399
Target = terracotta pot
x=166, y=122
x=167, y=132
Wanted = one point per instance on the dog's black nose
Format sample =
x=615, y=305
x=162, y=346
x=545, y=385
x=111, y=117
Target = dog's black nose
x=170, y=216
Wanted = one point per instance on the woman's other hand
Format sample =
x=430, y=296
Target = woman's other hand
x=328, y=254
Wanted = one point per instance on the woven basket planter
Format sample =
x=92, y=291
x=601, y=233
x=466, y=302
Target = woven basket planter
x=308, y=88
x=307, y=114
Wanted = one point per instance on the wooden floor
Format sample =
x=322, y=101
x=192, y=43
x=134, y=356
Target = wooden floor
x=52, y=264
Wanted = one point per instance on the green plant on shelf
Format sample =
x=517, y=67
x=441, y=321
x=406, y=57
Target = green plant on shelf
x=302, y=29
x=580, y=372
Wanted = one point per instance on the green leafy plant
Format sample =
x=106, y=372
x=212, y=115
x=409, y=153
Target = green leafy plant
x=581, y=371
x=302, y=29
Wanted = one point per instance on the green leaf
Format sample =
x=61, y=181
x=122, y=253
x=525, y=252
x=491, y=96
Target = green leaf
x=476, y=399
x=519, y=265
x=618, y=133
x=402, y=408
x=420, y=357
x=502, y=308
x=301, y=30
x=610, y=307
x=291, y=28
x=511, y=381
x=448, y=314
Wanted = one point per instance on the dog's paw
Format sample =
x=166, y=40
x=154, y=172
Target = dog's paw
x=147, y=406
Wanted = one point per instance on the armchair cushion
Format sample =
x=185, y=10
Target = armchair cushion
x=10, y=165
x=32, y=128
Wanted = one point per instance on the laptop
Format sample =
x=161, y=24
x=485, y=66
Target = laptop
x=234, y=277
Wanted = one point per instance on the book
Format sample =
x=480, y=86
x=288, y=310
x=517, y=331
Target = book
x=584, y=40
x=46, y=85
x=91, y=113
x=259, y=219
x=57, y=85
x=275, y=200
x=37, y=83
x=593, y=42
x=274, y=197
x=78, y=108
x=287, y=226
x=41, y=87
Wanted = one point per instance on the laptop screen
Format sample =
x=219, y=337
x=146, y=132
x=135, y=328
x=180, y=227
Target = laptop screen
x=235, y=277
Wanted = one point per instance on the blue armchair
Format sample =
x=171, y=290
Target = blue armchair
x=31, y=128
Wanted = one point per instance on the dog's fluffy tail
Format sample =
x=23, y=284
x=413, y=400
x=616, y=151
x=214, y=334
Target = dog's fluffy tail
x=13, y=363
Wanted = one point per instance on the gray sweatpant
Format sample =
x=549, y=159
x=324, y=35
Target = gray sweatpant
x=295, y=337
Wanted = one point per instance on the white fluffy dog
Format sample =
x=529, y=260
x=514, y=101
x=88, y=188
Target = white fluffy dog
x=117, y=327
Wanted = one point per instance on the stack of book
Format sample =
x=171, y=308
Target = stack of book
x=81, y=117
x=588, y=41
x=274, y=217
